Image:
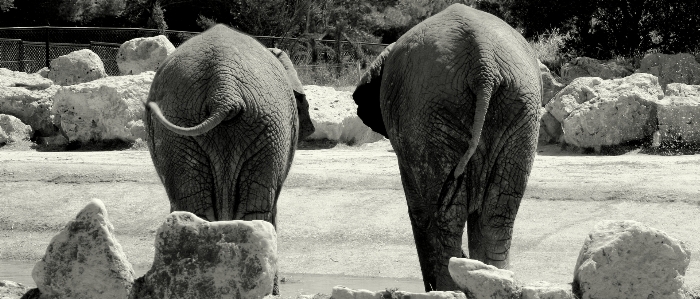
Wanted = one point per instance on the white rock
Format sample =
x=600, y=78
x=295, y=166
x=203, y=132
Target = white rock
x=77, y=67
x=675, y=68
x=481, y=280
x=430, y=295
x=341, y=292
x=627, y=259
x=108, y=108
x=143, y=54
x=550, y=84
x=32, y=107
x=679, y=119
x=225, y=259
x=12, y=290
x=12, y=129
x=546, y=290
x=44, y=72
x=589, y=67
x=607, y=112
x=334, y=115
x=550, y=128
x=569, y=98
x=85, y=260
x=10, y=78
x=682, y=90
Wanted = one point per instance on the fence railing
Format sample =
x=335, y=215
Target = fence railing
x=28, y=49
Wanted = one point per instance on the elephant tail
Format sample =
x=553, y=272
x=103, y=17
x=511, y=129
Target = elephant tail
x=212, y=121
x=483, y=97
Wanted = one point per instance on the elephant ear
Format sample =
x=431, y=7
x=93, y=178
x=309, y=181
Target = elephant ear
x=366, y=94
x=306, y=127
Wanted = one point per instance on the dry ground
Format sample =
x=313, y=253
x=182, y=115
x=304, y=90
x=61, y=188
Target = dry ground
x=343, y=211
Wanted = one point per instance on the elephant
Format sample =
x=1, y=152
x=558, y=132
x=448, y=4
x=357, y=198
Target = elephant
x=223, y=117
x=458, y=97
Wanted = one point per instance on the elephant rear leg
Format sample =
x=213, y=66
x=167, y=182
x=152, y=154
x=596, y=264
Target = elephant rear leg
x=437, y=232
x=259, y=193
x=490, y=227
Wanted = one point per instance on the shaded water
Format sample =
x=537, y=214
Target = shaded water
x=292, y=284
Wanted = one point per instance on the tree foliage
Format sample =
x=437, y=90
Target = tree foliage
x=599, y=28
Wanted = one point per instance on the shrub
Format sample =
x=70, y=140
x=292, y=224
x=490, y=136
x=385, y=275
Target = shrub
x=550, y=49
x=334, y=75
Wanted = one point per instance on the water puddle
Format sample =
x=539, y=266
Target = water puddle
x=291, y=284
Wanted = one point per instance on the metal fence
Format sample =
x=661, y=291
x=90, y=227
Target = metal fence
x=29, y=49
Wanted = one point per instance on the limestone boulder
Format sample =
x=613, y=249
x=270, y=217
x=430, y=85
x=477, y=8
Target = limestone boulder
x=589, y=67
x=77, y=67
x=341, y=292
x=595, y=112
x=105, y=109
x=143, y=54
x=550, y=84
x=10, y=78
x=546, y=290
x=675, y=68
x=31, y=106
x=334, y=115
x=44, y=72
x=12, y=129
x=85, y=260
x=479, y=280
x=12, y=290
x=550, y=128
x=199, y=259
x=627, y=259
x=571, y=96
x=430, y=295
x=682, y=90
x=679, y=120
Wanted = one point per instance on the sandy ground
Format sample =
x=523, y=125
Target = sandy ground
x=343, y=212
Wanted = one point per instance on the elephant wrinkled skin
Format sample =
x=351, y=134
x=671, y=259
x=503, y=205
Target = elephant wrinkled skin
x=223, y=118
x=458, y=97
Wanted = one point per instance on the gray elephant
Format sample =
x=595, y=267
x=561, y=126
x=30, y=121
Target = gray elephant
x=458, y=96
x=223, y=117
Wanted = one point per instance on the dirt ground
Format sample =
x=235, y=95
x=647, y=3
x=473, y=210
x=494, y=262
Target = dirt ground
x=342, y=210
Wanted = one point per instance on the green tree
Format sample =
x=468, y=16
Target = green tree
x=6, y=5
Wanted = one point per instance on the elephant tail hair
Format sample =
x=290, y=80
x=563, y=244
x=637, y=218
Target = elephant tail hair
x=205, y=126
x=483, y=97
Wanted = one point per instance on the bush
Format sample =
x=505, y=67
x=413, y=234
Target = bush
x=334, y=75
x=549, y=47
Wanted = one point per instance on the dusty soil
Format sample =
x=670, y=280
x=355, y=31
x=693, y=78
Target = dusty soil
x=343, y=210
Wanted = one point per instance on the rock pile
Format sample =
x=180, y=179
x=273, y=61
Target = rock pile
x=605, y=104
x=104, y=109
x=595, y=112
x=194, y=259
x=29, y=98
